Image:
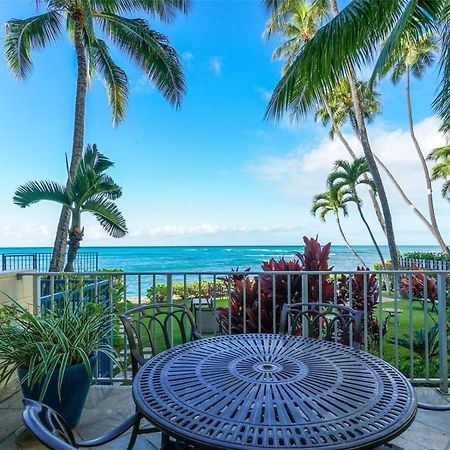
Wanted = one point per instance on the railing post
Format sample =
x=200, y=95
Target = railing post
x=442, y=324
x=36, y=294
x=169, y=299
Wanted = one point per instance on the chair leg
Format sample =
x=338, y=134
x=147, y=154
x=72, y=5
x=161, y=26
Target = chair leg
x=134, y=434
x=166, y=443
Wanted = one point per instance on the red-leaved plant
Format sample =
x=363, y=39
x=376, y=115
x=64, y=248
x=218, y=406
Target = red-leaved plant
x=417, y=285
x=275, y=290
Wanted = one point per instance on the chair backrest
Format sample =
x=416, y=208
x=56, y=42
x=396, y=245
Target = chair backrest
x=151, y=329
x=325, y=321
x=48, y=426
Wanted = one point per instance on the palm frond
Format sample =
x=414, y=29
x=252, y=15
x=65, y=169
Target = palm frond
x=165, y=10
x=150, y=50
x=348, y=40
x=115, y=79
x=108, y=215
x=24, y=35
x=36, y=191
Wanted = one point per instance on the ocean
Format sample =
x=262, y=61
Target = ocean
x=210, y=258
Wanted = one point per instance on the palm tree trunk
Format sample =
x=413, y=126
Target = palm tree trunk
x=372, y=194
x=59, y=247
x=75, y=238
x=404, y=196
x=348, y=243
x=435, y=227
x=371, y=161
x=371, y=235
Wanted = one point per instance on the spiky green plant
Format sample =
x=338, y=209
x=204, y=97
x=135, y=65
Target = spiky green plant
x=52, y=340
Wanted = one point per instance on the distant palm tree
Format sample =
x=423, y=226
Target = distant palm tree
x=83, y=20
x=335, y=201
x=441, y=170
x=340, y=107
x=297, y=21
x=411, y=57
x=348, y=176
x=90, y=190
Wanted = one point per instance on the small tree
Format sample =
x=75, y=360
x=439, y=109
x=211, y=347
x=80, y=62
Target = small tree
x=90, y=190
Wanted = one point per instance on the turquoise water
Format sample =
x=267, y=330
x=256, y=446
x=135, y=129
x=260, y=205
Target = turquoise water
x=143, y=259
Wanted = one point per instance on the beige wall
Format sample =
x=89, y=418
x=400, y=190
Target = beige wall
x=20, y=288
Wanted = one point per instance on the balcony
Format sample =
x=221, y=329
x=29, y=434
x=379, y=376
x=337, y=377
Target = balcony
x=399, y=308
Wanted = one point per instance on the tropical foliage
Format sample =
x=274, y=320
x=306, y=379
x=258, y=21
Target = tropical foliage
x=256, y=301
x=421, y=285
x=426, y=256
x=90, y=190
x=57, y=337
x=441, y=169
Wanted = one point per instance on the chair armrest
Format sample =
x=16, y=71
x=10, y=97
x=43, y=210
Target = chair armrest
x=429, y=407
x=114, y=433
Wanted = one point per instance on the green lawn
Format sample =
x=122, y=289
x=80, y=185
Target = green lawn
x=419, y=316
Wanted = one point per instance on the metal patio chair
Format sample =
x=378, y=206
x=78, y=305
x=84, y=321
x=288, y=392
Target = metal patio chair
x=326, y=321
x=151, y=329
x=53, y=432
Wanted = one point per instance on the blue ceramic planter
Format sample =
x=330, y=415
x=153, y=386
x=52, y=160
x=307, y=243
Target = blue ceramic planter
x=74, y=391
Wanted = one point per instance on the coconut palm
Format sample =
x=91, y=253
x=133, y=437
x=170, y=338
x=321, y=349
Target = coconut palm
x=297, y=22
x=412, y=56
x=339, y=112
x=334, y=201
x=354, y=37
x=340, y=106
x=348, y=176
x=295, y=94
x=90, y=190
x=86, y=22
x=441, y=170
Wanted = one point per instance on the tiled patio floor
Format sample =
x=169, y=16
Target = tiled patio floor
x=109, y=405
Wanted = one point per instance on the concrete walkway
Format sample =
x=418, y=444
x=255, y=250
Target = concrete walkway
x=107, y=406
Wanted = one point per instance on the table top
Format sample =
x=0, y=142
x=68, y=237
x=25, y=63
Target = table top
x=272, y=391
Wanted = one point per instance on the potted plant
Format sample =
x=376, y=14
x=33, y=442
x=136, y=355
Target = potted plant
x=54, y=351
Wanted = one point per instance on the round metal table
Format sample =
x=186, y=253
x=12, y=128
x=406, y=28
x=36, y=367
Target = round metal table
x=270, y=391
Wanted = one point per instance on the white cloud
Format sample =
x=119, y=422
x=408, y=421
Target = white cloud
x=215, y=65
x=207, y=229
x=301, y=173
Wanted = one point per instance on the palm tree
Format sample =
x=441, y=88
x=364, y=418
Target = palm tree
x=295, y=92
x=441, y=170
x=412, y=56
x=90, y=190
x=334, y=201
x=348, y=176
x=339, y=106
x=337, y=109
x=297, y=22
x=84, y=20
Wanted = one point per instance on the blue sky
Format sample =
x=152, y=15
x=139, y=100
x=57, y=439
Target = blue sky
x=211, y=173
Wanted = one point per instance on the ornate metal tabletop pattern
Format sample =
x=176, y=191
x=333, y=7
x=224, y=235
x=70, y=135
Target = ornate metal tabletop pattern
x=274, y=391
